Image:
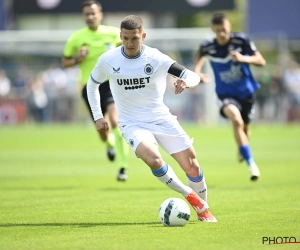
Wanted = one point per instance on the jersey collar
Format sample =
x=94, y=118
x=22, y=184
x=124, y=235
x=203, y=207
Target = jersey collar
x=135, y=57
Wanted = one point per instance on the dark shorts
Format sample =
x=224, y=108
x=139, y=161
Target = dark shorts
x=105, y=97
x=244, y=105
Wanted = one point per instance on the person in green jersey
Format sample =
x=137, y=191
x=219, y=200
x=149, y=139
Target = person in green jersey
x=84, y=48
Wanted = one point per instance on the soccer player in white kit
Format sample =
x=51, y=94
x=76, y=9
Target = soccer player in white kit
x=137, y=76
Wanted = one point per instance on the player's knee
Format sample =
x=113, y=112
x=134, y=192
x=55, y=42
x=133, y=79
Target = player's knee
x=237, y=122
x=155, y=162
x=192, y=169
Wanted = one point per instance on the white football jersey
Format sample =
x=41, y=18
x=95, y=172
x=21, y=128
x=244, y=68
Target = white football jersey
x=138, y=84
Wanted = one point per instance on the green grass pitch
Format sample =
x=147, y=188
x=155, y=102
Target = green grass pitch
x=58, y=191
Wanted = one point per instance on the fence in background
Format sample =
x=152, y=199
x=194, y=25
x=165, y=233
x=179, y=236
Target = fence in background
x=32, y=58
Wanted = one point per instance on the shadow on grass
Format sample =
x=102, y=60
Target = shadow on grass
x=83, y=224
x=143, y=188
x=37, y=188
x=107, y=189
x=126, y=189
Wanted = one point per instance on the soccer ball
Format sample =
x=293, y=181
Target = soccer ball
x=174, y=212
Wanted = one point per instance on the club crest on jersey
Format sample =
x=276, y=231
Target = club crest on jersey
x=148, y=69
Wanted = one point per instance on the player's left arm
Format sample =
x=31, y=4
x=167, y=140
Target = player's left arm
x=255, y=59
x=252, y=55
x=185, y=77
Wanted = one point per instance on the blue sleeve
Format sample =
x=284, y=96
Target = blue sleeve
x=248, y=46
x=203, y=49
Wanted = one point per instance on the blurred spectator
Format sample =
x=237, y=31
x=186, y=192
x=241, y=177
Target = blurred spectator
x=20, y=84
x=195, y=104
x=263, y=93
x=37, y=99
x=174, y=104
x=277, y=93
x=292, y=85
x=5, y=85
x=55, y=82
x=72, y=91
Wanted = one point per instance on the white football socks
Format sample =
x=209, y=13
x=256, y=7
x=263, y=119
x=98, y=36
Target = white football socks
x=198, y=186
x=167, y=176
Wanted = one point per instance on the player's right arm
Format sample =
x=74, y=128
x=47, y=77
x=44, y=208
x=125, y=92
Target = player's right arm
x=94, y=100
x=97, y=77
x=198, y=65
x=199, y=62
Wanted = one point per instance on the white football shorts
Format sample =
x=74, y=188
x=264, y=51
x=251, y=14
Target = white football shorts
x=169, y=135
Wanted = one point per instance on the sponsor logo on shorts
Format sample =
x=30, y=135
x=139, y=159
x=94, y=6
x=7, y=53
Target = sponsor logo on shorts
x=131, y=142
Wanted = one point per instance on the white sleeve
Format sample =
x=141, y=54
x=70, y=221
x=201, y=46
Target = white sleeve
x=97, y=76
x=93, y=94
x=179, y=71
x=191, y=78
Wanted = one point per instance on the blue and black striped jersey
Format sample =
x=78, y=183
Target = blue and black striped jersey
x=232, y=78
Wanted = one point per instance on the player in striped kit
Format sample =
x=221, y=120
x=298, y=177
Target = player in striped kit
x=230, y=55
